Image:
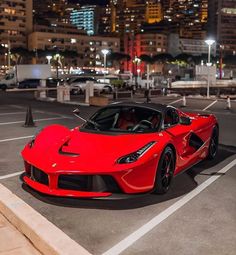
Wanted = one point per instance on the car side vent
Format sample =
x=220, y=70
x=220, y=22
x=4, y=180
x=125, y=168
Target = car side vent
x=195, y=141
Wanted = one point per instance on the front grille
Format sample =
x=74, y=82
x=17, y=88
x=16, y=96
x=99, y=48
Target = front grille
x=74, y=182
x=90, y=183
x=39, y=176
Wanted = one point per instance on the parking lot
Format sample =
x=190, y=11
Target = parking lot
x=197, y=216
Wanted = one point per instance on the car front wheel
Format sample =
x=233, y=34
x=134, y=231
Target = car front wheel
x=165, y=171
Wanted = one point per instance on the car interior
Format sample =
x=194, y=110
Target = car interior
x=126, y=119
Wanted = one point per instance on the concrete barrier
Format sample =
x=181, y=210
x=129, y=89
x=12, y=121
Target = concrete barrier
x=98, y=101
x=155, y=92
x=122, y=94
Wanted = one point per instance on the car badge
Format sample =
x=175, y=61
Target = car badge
x=54, y=164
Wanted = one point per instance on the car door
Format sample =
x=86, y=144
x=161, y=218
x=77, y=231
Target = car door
x=180, y=135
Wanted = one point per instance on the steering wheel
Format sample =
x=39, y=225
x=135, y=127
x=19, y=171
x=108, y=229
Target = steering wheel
x=144, y=124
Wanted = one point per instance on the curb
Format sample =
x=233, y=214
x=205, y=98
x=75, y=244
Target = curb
x=45, y=236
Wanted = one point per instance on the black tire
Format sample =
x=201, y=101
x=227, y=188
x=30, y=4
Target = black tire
x=213, y=146
x=165, y=171
x=108, y=89
x=3, y=87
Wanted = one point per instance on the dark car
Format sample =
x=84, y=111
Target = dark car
x=29, y=83
x=53, y=82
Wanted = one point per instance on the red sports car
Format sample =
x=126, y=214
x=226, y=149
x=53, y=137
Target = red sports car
x=123, y=148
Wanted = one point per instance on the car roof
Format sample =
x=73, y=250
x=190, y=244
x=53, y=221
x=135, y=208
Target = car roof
x=154, y=106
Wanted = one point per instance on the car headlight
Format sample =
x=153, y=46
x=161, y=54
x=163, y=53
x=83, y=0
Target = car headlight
x=134, y=156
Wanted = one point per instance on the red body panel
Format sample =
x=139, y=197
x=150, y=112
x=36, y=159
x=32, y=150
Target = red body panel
x=97, y=154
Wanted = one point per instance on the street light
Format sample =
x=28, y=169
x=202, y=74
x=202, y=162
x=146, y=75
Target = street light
x=209, y=42
x=49, y=59
x=8, y=47
x=105, y=52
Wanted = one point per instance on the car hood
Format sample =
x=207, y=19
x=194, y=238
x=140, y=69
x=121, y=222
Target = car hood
x=86, y=151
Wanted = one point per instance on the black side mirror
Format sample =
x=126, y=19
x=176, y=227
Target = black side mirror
x=185, y=121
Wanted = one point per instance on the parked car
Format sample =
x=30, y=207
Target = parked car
x=53, y=82
x=79, y=85
x=29, y=83
x=123, y=148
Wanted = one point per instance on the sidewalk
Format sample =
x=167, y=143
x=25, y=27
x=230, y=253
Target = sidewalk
x=12, y=242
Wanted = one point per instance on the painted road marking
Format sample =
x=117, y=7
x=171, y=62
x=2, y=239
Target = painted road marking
x=11, y=113
x=16, y=138
x=210, y=105
x=10, y=175
x=132, y=238
x=22, y=121
x=176, y=101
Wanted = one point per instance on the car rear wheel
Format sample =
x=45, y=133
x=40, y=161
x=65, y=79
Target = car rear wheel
x=213, y=147
x=165, y=171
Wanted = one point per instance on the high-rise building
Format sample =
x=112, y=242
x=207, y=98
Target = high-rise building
x=226, y=31
x=86, y=18
x=59, y=10
x=15, y=22
x=154, y=12
x=212, y=19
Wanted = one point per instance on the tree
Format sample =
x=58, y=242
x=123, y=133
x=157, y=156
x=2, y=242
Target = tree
x=118, y=56
x=147, y=59
x=20, y=55
x=163, y=58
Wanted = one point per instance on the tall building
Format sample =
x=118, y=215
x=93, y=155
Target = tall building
x=212, y=20
x=15, y=22
x=86, y=18
x=226, y=32
x=59, y=10
x=154, y=11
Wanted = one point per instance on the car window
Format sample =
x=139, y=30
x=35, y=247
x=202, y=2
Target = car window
x=171, y=117
x=125, y=119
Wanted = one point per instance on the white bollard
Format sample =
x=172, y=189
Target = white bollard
x=184, y=101
x=42, y=94
x=89, y=91
x=66, y=93
x=228, y=103
x=60, y=94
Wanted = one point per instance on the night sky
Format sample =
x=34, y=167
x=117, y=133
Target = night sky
x=83, y=2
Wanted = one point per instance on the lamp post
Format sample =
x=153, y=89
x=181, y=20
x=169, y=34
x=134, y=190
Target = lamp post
x=49, y=59
x=8, y=47
x=105, y=52
x=209, y=42
x=136, y=61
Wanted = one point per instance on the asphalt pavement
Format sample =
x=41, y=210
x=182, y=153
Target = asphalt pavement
x=201, y=205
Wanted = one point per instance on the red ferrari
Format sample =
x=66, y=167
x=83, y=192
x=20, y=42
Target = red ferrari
x=123, y=148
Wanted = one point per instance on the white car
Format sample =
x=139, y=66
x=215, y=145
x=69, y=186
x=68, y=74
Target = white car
x=79, y=84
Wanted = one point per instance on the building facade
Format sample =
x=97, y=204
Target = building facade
x=15, y=22
x=144, y=44
x=86, y=18
x=88, y=48
x=226, y=30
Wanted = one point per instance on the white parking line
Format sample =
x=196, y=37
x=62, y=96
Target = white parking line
x=176, y=101
x=210, y=105
x=129, y=240
x=10, y=175
x=16, y=138
x=22, y=121
x=11, y=113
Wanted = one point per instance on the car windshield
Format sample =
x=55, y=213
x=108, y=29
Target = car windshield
x=124, y=119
